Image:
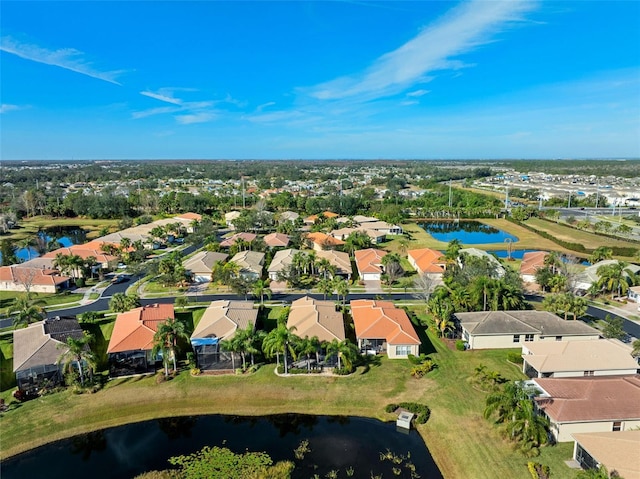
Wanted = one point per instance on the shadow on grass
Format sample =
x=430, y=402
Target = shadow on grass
x=368, y=361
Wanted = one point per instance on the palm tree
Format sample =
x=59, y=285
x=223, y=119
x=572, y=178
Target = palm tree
x=260, y=290
x=78, y=353
x=166, y=339
x=325, y=286
x=481, y=288
x=280, y=340
x=245, y=342
x=308, y=346
x=325, y=268
x=403, y=245
x=232, y=346
x=26, y=244
x=615, y=277
x=28, y=311
x=392, y=268
x=453, y=248
x=341, y=287
x=345, y=351
x=600, y=253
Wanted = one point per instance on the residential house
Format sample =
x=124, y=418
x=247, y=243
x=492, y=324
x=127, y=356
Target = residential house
x=383, y=227
x=219, y=322
x=246, y=237
x=200, y=265
x=343, y=233
x=310, y=220
x=478, y=253
x=532, y=261
x=580, y=405
x=250, y=263
x=590, y=275
x=191, y=218
x=633, y=294
x=288, y=216
x=369, y=263
x=312, y=317
x=36, y=280
x=281, y=262
x=563, y=359
x=37, y=349
x=616, y=451
x=427, y=261
x=360, y=219
x=84, y=251
x=321, y=241
x=230, y=217
x=131, y=341
x=339, y=260
x=381, y=327
x=277, y=240
x=510, y=329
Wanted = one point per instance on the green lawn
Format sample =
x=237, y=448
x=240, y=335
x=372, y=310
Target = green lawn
x=48, y=300
x=589, y=240
x=463, y=444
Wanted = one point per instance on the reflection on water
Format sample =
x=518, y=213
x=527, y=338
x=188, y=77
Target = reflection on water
x=468, y=232
x=336, y=443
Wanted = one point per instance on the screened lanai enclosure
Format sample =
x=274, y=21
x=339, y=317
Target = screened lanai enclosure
x=210, y=356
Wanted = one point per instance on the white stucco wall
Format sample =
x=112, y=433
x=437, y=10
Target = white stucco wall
x=391, y=351
x=562, y=432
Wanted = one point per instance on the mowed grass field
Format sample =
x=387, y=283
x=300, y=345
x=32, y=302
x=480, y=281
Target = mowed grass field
x=463, y=443
x=419, y=238
x=589, y=240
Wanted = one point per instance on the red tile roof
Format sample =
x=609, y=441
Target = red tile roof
x=134, y=330
x=427, y=260
x=323, y=239
x=369, y=260
x=532, y=261
x=591, y=399
x=382, y=320
x=248, y=237
x=35, y=276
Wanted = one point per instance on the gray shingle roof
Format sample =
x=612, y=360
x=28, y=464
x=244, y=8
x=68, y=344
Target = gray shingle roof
x=522, y=322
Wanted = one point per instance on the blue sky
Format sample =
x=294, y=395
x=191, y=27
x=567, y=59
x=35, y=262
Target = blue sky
x=316, y=80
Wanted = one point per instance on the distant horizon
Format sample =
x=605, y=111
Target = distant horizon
x=269, y=80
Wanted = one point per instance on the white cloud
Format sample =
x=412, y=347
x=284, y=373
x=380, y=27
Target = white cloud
x=464, y=28
x=67, y=58
x=6, y=108
x=162, y=95
x=154, y=111
x=418, y=93
x=201, y=117
x=259, y=108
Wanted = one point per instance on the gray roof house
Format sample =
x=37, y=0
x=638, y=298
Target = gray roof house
x=37, y=348
x=250, y=263
x=508, y=329
x=590, y=275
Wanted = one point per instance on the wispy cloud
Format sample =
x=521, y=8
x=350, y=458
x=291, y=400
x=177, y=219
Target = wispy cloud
x=165, y=95
x=67, y=58
x=6, y=108
x=201, y=117
x=418, y=93
x=464, y=28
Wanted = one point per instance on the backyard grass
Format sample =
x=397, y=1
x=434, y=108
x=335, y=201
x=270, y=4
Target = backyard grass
x=48, y=300
x=589, y=240
x=462, y=443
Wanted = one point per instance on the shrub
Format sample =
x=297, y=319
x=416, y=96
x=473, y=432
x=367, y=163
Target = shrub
x=414, y=359
x=461, y=345
x=341, y=371
x=421, y=411
x=195, y=371
x=80, y=282
x=514, y=357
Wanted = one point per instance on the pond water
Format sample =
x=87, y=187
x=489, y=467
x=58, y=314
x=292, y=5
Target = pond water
x=62, y=236
x=468, y=232
x=336, y=443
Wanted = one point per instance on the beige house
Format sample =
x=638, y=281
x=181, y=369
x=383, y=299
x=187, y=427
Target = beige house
x=36, y=280
x=200, y=265
x=381, y=327
x=230, y=217
x=339, y=259
x=220, y=321
x=616, y=451
x=564, y=359
x=510, y=329
x=581, y=405
x=280, y=262
x=312, y=317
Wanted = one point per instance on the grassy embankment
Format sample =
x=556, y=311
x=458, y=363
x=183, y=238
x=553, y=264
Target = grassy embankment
x=526, y=239
x=46, y=300
x=462, y=442
x=589, y=240
x=29, y=227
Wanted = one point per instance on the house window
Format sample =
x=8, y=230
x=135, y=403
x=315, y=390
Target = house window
x=516, y=338
x=588, y=373
x=558, y=338
x=528, y=337
x=617, y=426
x=403, y=350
